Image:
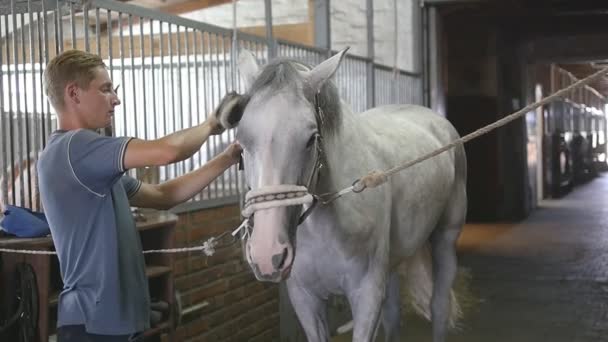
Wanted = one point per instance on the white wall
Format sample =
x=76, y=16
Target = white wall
x=348, y=24
x=251, y=13
x=349, y=27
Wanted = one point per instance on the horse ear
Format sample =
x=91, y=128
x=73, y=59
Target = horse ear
x=248, y=67
x=326, y=70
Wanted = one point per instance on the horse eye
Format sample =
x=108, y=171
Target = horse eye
x=311, y=141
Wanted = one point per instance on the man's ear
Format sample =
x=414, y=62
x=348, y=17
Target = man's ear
x=72, y=92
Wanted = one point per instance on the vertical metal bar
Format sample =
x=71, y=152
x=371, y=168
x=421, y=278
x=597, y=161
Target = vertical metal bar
x=363, y=85
x=97, y=31
x=164, y=97
x=180, y=91
x=173, y=113
x=233, y=49
x=371, y=54
x=122, y=75
x=33, y=25
x=189, y=87
x=213, y=98
x=73, y=24
x=133, y=78
x=223, y=177
x=351, y=85
x=238, y=176
x=25, y=131
x=322, y=25
x=205, y=98
x=144, y=86
x=233, y=175
x=197, y=93
x=272, y=49
x=425, y=33
x=17, y=140
x=46, y=116
x=153, y=80
x=111, y=130
x=58, y=28
x=4, y=120
x=85, y=25
x=34, y=136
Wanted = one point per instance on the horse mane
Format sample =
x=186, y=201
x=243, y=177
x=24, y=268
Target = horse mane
x=284, y=73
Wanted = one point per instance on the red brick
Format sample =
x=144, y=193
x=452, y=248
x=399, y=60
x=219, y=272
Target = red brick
x=241, y=279
x=215, y=228
x=205, y=292
x=206, y=275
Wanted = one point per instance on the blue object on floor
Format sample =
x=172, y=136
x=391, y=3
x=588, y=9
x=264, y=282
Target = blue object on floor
x=25, y=223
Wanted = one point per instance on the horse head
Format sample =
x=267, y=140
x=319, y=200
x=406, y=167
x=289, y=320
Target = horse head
x=291, y=108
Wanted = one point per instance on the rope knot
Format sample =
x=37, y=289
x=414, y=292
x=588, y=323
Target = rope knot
x=371, y=180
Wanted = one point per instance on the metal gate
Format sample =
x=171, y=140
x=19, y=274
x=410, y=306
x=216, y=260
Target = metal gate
x=172, y=72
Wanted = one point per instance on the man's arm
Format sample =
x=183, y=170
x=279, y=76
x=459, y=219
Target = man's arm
x=180, y=145
x=172, y=148
x=171, y=193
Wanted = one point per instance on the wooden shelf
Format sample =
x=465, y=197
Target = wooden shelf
x=157, y=329
x=53, y=299
x=156, y=219
x=157, y=271
x=40, y=243
x=156, y=231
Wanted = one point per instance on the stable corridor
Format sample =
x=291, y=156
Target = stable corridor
x=544, y=279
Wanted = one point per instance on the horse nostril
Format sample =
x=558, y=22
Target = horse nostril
x=279, y=259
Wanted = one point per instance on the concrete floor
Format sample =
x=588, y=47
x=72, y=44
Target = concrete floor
x=541, y=280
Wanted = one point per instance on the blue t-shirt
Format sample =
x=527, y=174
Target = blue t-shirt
x=85, y=194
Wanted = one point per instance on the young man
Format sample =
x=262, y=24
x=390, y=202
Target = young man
x=87, y=198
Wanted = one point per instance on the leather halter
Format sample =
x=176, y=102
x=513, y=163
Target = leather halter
x=286, y=194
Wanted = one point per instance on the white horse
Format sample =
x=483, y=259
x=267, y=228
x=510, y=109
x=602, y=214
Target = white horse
x=300, y=140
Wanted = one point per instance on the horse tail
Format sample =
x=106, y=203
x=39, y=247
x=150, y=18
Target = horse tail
x=416, y=279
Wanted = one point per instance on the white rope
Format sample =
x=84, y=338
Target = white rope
x=208, y=247
x=26, y=251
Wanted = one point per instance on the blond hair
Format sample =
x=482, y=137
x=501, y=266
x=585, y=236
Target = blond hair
x=69, y=66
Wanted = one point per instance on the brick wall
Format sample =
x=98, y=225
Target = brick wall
x=240, y=308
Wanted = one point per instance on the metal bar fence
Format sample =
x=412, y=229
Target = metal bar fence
x=172, y=73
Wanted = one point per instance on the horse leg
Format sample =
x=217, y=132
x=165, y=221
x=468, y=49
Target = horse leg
x=443, y=254
x=444, y=273
x=391, y=310
x=311, y=312
x=366, y=303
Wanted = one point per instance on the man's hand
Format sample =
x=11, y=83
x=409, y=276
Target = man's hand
x=214, y=125
x=233, y=152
